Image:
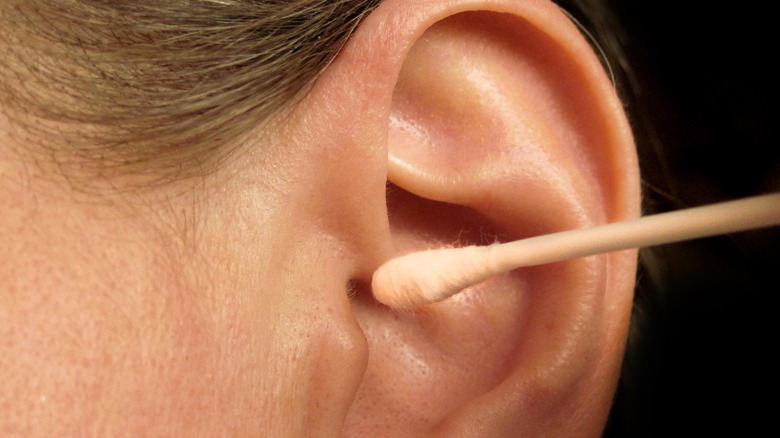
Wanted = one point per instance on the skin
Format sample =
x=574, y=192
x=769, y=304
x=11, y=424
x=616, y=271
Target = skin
x=236, y=303
x=167, y=308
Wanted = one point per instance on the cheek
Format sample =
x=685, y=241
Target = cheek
x=265, y=350
x=143, y=340
x=281, y=338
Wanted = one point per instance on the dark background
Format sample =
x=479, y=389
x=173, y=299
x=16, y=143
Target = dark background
x=701, y=355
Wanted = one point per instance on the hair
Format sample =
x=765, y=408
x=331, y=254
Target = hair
x=140, y=84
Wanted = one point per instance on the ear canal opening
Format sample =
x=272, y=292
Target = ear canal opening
x=431, y=361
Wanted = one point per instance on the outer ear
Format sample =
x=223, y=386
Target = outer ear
x=510, y=116
x=502, y=125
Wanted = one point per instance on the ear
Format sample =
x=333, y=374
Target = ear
x=496, y=121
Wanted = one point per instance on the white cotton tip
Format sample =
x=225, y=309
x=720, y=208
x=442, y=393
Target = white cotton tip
x=430, y=276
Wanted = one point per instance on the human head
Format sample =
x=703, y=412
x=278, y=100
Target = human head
x=219, y=287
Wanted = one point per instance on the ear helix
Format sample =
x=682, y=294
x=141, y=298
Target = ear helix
x=430, y=276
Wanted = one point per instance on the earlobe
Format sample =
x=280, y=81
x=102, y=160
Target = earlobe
x=502, y=125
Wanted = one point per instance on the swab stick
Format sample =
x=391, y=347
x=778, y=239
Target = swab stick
x=430, y=276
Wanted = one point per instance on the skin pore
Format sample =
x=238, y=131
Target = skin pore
x=228, y=295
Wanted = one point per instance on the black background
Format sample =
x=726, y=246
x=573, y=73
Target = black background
x=701, y=356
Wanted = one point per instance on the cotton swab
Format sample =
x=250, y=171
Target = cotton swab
x=430, y=276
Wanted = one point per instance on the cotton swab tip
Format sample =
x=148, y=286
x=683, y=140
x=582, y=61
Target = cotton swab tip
x=430, y=276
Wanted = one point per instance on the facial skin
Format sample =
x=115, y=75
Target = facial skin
x=190, y=310
x=234, y=304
